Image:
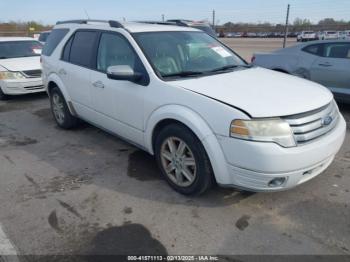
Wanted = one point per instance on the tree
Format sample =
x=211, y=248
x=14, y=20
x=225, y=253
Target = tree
x=302, y=22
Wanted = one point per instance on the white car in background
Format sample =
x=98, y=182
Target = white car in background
x=306, y=36
x=328, y=35
x=20, y=69
x=43, y=36
x=325, y=62
x=345, y=35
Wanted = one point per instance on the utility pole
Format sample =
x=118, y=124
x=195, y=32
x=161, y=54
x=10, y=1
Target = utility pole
x=163, y=18
x=286, y=28
x=214, y=19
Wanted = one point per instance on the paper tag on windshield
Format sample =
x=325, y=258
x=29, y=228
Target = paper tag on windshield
x=221, y=51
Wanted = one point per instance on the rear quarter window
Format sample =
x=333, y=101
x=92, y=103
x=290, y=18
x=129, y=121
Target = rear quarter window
x=312, y=49
x=53, y=40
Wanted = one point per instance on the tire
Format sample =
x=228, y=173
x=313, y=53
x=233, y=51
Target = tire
x=197, y=168
x=60, y=110
x=2, y=95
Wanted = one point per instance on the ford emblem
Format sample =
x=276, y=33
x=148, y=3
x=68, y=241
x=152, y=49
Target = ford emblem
x=327, y=121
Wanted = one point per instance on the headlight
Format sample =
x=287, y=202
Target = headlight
x=264, y=130
x=5, y=75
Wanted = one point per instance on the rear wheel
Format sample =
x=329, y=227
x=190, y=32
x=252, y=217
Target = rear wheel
x=183, y=160
x=60, y=110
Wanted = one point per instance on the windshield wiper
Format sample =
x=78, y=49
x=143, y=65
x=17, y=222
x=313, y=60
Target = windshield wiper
x=225, y=68
x=184, y=74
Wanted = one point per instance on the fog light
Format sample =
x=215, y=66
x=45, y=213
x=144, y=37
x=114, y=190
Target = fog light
x=277, y=182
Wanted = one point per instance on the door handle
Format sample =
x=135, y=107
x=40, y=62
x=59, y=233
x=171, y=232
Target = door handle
x=98, y=84
x=62, y=72
x=325, y=64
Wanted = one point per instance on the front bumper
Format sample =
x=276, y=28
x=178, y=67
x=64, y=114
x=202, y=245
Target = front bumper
x=20, y=87
x=252, y=165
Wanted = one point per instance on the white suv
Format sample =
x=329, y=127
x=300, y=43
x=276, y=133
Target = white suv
x=306, y=36
x=186, y=98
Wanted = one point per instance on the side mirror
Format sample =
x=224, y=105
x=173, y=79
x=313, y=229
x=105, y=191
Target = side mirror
x=123, y=72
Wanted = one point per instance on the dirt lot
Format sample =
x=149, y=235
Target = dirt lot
x=86, y=192
x=247, y=46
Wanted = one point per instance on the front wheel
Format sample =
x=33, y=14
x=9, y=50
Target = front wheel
x=60, y=110
x=183, y=160
x=2, y=95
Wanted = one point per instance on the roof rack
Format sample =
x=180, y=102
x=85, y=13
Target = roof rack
x=161, y=23
x=111, y=23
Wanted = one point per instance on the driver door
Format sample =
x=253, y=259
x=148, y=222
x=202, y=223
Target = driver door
x=118, y=104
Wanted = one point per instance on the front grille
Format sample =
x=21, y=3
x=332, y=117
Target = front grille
x=32, y=73
x=309, y=126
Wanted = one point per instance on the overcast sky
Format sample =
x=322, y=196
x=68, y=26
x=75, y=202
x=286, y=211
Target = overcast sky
x=49, y=11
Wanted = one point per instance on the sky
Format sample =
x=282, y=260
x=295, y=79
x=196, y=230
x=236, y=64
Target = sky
x=274, y=11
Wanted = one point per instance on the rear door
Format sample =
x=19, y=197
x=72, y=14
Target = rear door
x=75, y=69
x=333, y=68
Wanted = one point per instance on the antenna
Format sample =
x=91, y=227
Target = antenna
x=86, y=13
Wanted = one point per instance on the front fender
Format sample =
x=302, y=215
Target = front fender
x=199, y=127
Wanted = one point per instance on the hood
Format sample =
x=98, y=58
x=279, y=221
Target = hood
x=21, y=63
x=261, y=92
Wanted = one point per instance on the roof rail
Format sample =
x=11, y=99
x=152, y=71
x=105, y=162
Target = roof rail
x=111, y=23
x=160, y=23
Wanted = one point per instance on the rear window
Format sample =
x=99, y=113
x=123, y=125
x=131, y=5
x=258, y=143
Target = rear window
x=82, y=48
x=53, y=40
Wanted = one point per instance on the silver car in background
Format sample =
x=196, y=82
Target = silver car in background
x=324, y=62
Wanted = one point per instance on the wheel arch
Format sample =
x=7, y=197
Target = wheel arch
x=281, y=70
x=180, y=114
x=54, y=81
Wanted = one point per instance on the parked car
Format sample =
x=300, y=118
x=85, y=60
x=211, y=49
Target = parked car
x=328, y=35
x=184, y=97
x=341, y=34
x=345, y=35
x=306, y=36
x=326, y=62
x=20, y=70
x=43, y=36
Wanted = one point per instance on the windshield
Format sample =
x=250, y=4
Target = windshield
x=181, y=54
x=14, y=49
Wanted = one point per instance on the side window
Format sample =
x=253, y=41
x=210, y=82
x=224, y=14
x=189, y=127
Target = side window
x=53, y=40
x=312, y=49
x=337, y=50
x=66, y=50
x=115, y=50
x=82, y=48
